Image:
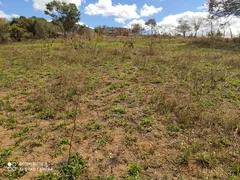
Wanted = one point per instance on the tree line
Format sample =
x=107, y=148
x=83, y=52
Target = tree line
x=65, y=18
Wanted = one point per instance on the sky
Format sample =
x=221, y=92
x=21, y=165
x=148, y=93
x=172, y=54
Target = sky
x=118, y=13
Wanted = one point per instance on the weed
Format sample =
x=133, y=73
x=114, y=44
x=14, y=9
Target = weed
x=15, y=174
x=146, y=122
x=135, y=169
x=129, y=140
x=157, y=80
x=64, y=141
x=93, y=125
x=74, y=168
x=35, y=143
x=4, y=154
x=23, y=131
x=205, y=159
x=235, y=169
x=103, y=141
x=46, y=115
x=2, y=121
x=184, y=158
x=119, y=110
x=225, y=141
x=174, y=130
x=10, y=123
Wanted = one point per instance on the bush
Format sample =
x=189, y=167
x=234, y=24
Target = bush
x=4, y=32
x=74, y=168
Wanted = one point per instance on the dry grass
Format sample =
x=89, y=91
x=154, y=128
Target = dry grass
x=148, y=108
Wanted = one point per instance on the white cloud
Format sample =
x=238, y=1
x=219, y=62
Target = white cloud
x=106, y=8
x=135, y=21
x=149, y=10
x=169, y=23
x=41, y=4
x=7, y=16
x=201, y=7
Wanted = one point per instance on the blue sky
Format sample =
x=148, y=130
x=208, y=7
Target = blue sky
x=111, y=14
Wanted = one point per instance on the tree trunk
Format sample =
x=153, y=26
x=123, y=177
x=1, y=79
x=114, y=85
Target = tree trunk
x=195, y=34
x=184, y=34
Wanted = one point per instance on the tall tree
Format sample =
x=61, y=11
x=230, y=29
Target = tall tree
x=183, y=27
x=196, y=25
x=64, y=15
x=224, y=7
x=152, y=24
x=136, y=28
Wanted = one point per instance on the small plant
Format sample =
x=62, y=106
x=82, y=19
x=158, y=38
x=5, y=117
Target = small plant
x=135, y=169
x=64, y=141
x=15, y=174
x=10, y=123
x=146, y=123
x=46, y=115
x=225, y=142
x=74, y=168
x=4, y=154
x=205, y=159
x=129, y=140
x=119, y=110
x=8, y=107
x=93, y=125
x=157, y=80
x=22, y=131
x=35, y=143
x=235, y=169
x=184, y=158
x=174, y=130
x=2, y=121
x=103, y=141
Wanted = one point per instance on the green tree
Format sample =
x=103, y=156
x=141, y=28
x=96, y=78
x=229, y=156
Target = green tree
x=136, y=28
x=43, y=28
x=183, y=27
x=22, y=27
x=16, y=33
x=4, y=30
x=152, y=24
x=64, y=15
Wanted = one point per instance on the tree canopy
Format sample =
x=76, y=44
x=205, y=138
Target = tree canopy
x=183, y=27
x=63, y=15
x=224, y=7
x=152, y=23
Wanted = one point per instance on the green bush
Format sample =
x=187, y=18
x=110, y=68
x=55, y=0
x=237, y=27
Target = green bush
x=74, y=168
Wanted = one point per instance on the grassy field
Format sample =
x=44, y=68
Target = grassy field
x=144, y=108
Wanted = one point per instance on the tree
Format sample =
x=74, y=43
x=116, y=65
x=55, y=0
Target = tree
x=17, y=33
x=64, y=15
x=4, y=30
x=22, y=26
x=42, y=28
x=183, y=27
x=196, y=25
x=224, y=7
x=136, y=28
x=152, y=24
x=211, y=21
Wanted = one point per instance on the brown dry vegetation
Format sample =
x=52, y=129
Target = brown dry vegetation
x=145, y=108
